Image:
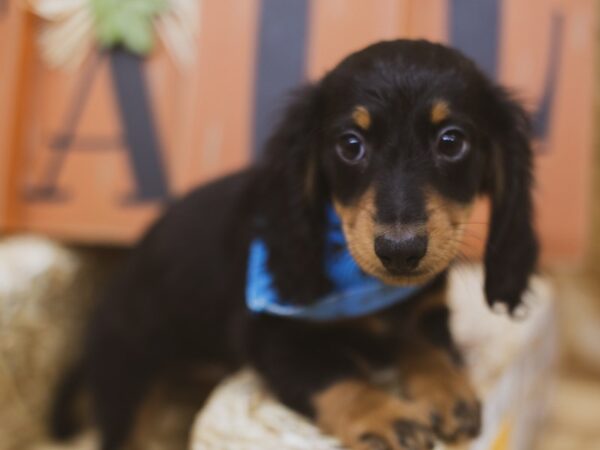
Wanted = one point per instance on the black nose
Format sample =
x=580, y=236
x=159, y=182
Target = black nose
x=401, y=253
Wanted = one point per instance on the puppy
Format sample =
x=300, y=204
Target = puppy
x=324, y=264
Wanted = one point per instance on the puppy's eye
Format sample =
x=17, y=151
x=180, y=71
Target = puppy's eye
x=452, y=144
x=351, y=148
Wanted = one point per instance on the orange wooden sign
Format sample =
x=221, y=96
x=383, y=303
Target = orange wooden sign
x=93, y=154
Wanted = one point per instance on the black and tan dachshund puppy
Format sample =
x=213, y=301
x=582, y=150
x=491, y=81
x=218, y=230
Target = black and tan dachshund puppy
x=396, y=142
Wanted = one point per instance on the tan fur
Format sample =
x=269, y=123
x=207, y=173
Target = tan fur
x=445, y=228
x=430, y=377
x=361, y=117
x=358, y=225
x=439, y=111
x=351, y=409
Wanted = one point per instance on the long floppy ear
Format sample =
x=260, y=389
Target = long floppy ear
x=293, y=200
x=512, y=246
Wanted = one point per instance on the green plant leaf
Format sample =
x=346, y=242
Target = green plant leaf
x=126, y=22
x=138, y=36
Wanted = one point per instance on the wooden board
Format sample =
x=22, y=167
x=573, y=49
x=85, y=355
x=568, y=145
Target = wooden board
x=85, y=158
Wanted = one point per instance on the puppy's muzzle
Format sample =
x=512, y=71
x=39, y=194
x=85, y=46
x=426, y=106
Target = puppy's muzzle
x=401, y=253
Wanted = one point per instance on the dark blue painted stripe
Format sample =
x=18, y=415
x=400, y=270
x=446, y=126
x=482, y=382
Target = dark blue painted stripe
x=281, y=60
x=543, y=114
x=475, y=29
x=141, y=135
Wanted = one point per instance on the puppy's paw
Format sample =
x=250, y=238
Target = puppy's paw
x=405, y=435
x=456, y=420
x=454, y=409
x=365, y=418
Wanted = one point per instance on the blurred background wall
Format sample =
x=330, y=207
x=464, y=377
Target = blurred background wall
x=93, y=142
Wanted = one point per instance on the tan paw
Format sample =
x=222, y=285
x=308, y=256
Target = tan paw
x=454, y=409
x=365, y=418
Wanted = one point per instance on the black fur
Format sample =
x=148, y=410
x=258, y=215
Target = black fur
x=512, y=247
x=180, y=296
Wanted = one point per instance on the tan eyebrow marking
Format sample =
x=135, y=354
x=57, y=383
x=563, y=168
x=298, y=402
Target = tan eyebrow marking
x=440, y=111
x=361, y=117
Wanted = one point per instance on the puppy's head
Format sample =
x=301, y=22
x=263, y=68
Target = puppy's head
x=402, y=137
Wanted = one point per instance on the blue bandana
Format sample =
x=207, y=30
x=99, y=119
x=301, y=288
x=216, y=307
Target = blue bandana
x=354, y=293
